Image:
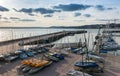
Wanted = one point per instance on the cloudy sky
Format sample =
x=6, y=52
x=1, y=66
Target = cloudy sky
x=31, y=13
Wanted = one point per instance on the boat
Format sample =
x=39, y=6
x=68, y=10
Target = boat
x=34, y=65
x=40, y=51
x=60, y=57
x=11, y=58
x=63, y=52
x=29, y=53
x=18, y=52
x=51, y=57
x=37, y=69
x=73, y=50
x=23, y=55
x=2, y=57
x=26, y=69
x=44, y=49
x=88, y=66
x=77, y=73
x=39, y=63
x=103, y=51
x=108, y=43
x=95, y=57
x=8, y=57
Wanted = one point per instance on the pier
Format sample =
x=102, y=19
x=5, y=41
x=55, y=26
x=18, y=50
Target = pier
x=12, y=45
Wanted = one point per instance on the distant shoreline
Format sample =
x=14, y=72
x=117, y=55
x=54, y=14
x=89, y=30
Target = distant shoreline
x=96, y=26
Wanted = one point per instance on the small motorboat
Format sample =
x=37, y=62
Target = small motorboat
x=73, y=50
x=40, y=51
x=37, y=69
x=23, y=56
x=63, y=53
x=26, y=69
x=77, y=73
x=18, y=52
x=2, y=57
x=51, y=57
x=58, y=56
x=29, y=53
x=44, y=49
x=11, y=58
x=103, y=51
x=8, y=57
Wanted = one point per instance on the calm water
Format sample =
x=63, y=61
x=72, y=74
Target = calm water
x=8, y=34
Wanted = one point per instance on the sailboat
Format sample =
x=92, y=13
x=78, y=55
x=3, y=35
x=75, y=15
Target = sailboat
x=87, y=65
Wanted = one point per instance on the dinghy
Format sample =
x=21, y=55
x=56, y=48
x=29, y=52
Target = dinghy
x=34, y=65
x=89, y=67
x=23, y=56
x=77, y=73
x=51, y=57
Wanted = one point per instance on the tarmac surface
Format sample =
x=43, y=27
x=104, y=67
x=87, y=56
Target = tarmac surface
x=112, y=67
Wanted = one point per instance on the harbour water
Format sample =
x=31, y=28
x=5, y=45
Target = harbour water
x=9, y=34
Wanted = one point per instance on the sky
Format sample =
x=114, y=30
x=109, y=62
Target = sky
x=45, y=13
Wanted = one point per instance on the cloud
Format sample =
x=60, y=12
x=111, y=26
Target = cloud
x=61, y=7
x=87, y=15
x=76, y=7
x=48, y=15
x=5, y=18
x=102, y=8
x=37, y=10
x=43, y=11
x=3, y=9
x=78, y=20
x=14, y=18
x=77, y=14
x=72, y=7
x=27, y=20
x=6, y=21
x=26, y=10
x=110, y=8
x=30, y=14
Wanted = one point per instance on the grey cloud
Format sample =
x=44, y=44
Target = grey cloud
x=14, y=18
x=38, y=10
x=72, y=7
x=102, y=8
x=87, y=15
x=26, y=10
x=27, y=20
x=5, y=18
x=77, y=14
x=48, y=15
x=30, y=14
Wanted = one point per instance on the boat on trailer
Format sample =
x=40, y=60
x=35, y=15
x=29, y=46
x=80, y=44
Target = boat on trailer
x=31, y=66
x=88, y=67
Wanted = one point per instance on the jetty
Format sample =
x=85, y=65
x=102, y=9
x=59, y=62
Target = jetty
x=111, y=31
x=12, y=45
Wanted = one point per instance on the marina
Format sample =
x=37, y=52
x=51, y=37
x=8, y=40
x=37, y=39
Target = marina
x=60, y=68
x=59, y=37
